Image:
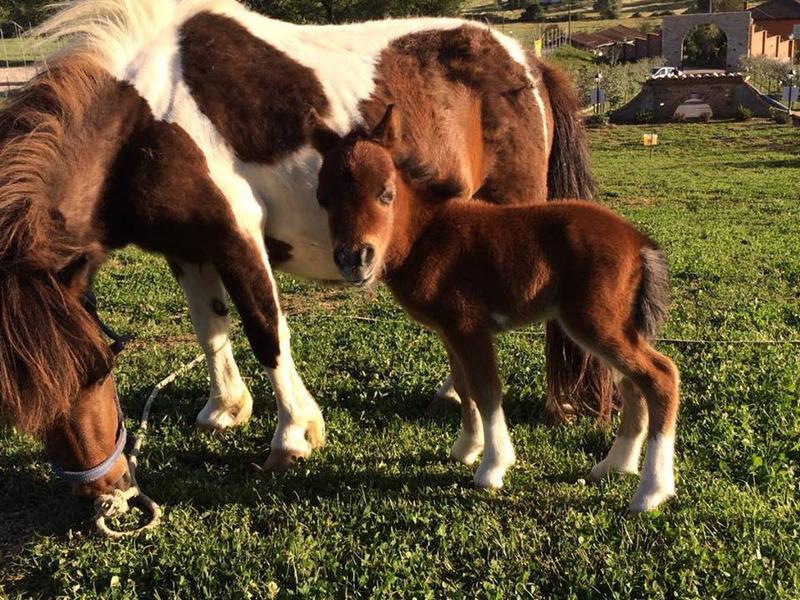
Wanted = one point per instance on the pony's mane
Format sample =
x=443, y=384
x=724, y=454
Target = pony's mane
x=49, y=346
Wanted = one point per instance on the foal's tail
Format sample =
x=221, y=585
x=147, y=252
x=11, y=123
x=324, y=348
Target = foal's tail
x=652, y=299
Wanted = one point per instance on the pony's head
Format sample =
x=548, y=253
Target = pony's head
x=358, y=186
x=55, y=366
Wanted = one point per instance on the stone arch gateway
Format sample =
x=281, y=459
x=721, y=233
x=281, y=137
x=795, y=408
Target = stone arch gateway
x=735, y=25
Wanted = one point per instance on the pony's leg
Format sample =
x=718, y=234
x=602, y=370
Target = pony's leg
x=475, y=354
x=469, y=443
x=623, y=457
x=659, y=381
x=229, y=402
x=657, y=378
x=245, y=270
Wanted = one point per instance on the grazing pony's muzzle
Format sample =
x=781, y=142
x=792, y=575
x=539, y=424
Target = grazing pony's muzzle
x=356, y=263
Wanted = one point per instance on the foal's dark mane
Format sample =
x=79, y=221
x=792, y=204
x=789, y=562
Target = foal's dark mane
x=50, y=347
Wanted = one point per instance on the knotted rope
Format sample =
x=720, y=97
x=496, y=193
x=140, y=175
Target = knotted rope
x=118, y=502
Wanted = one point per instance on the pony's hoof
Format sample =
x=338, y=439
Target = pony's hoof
x=647, y=500
x=218, y=417
x=279, y=460
x=315, y=432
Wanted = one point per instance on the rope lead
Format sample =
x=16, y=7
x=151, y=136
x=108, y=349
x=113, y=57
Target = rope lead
x=118, y=502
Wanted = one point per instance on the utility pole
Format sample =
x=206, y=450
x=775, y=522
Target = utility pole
x=569, y=21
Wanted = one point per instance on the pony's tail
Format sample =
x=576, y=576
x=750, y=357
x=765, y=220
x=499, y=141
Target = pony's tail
x=577, y=384
x=50, y=346
x=569, y=173
x=652, y=299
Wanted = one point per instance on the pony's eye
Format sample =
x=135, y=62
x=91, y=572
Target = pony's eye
x=386, y=196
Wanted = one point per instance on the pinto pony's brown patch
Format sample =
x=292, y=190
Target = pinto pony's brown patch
x=254, y=94
x=50, y=346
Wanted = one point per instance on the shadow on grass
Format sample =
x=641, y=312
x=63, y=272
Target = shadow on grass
x=33, y=506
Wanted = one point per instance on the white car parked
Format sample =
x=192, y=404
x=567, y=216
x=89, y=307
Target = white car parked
x=661, y=72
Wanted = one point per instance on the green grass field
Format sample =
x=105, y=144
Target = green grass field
x=380, y=513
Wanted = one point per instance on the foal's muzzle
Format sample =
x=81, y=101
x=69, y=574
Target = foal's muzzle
x=356, y=263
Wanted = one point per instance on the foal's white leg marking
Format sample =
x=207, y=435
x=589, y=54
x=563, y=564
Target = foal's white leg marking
x=498, y=454
x=229, y=402
x=623, y=457
x=658, y=477
x=469, y=443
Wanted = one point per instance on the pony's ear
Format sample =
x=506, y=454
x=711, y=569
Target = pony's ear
x=387, y=132
x=322, y=137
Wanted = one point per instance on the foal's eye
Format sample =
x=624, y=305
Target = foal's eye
x=386, y=196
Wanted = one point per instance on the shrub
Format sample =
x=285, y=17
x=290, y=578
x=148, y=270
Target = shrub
x=743, y=113
x=598, y=120
x=608, y=9
x=779, y=116
x=644, y=116
x=533, y=12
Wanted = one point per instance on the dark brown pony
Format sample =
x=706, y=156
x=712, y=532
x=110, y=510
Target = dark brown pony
x=59, y=390
x=469, y=269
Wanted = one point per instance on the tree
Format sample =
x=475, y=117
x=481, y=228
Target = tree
x=341, y=11
x=533, y=12
x=707, y=6
x=24, y=12
x=608, y=9
x=705, y=46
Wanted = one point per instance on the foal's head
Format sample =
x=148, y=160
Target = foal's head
x=358, y=188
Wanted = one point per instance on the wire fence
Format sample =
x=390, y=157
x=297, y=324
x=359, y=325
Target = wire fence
x=21, y=56
x=541, y=334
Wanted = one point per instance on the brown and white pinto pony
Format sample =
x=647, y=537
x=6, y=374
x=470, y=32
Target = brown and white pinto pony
x=179, y=127
x=468, y=270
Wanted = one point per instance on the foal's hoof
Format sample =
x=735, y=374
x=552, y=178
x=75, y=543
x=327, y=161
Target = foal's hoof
x=602, y=470
x=279, y=461
x=218, y=417
x=647, y=500
x=465, y=450
x=489, y=478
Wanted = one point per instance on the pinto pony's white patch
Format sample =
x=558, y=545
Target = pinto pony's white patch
x=516, y=52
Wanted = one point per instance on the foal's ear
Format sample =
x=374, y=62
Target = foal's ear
x=387, y=132
x=323, y=138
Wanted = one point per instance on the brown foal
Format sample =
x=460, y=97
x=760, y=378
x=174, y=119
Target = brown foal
x=468, y=270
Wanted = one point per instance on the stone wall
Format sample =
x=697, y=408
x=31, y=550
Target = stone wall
x=723, y=94
x=736, y=26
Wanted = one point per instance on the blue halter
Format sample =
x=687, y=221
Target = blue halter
x=91, y=475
